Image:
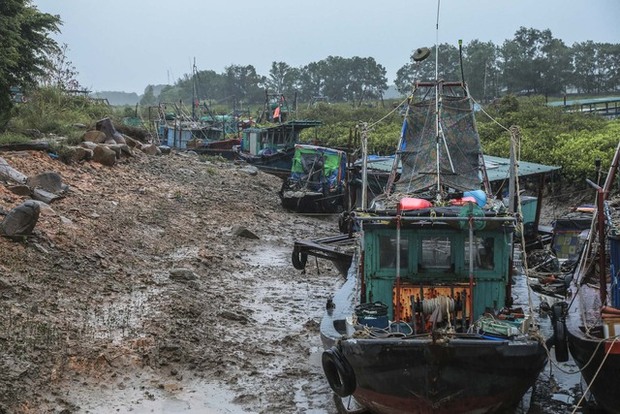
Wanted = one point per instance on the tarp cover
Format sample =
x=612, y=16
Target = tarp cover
x=313, y=166
x=458, y=141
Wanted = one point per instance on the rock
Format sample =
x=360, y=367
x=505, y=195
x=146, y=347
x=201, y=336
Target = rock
x=241, y=231
x=21, y=220
x=21, y=190
x=116, y=148
x=165, y=149
x=97, y=137
x=106, y=126
x=48, y=181
x=45, y=209
x=78, y=154
x=133, y=143
x=151, y=149
x=9, y=173
x=250, y=170
x=182, y=275
x=104, y=155
x=45, y=196
x=88, y=145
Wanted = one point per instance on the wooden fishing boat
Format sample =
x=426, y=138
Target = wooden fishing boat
x=590, y=321
x=424, y=322
x=317, y=181
x=271, y=148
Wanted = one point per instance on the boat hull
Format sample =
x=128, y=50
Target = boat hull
x=460, y=373
x=312, y=202
x=589, y=354
x=456, y=376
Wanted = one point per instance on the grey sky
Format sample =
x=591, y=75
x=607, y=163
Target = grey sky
x=124, y=45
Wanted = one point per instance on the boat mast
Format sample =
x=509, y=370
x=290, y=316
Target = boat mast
x=437, y=103
x=194, y=91
x=364, y=165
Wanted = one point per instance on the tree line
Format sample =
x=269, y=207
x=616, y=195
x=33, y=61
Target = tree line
x=532, y=63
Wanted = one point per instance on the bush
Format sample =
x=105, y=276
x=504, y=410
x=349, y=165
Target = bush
x=51, y=111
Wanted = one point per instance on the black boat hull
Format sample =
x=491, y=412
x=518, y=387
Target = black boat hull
x=456, y=376
x=311, y=202
x=589, y=354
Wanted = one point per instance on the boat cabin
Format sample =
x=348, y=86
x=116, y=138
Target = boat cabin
x=434, y=262
x=270, y=140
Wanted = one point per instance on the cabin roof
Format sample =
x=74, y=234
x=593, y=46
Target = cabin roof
x=295, y=125
x=498, y=168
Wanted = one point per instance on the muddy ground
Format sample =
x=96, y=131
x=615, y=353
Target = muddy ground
x=134, y=294
x=96, y=319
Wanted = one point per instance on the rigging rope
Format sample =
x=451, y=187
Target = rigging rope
x=515, y=138
x=389, y=113
x=595, y=375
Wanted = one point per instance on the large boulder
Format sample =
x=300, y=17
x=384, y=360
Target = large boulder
x=98, y=137
x=106, y=126
x=151, y=149
x=48, y=181
x=104, y=155
x=20, y=221
x=81, y=153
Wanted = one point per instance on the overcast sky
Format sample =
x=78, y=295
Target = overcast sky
x=125, y=45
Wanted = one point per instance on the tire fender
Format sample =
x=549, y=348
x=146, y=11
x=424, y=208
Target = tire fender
x=299, y=259
x=338, y=372
x=560, y=340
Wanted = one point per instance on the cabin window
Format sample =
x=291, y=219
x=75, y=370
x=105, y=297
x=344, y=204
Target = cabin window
x=387, y=252
x=436, y=253
x=483, y=253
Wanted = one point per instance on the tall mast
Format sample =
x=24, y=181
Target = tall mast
x=437, y=145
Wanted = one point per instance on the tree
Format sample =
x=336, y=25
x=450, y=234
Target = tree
x=447, y=68
x=584, y=76
x=283, y=79
x=608, y=64
x=312, y=80
x=244, y=84
x=24, y=49
x=148, y=99
x=61, y=73
x=367, y=79
x=535, y=62
x=343, y=79
x=481, y=71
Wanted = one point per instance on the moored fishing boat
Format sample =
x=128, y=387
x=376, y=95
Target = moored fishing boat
x=590, y=321
x=317, y=181
x=423, y=322
x=271, y=148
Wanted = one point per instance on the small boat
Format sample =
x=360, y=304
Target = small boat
x=424, y=321
x=317, y=181
x=271, y=148
x=209, y=134
x=589, y=323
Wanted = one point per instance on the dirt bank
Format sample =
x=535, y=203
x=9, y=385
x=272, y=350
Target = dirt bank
x=134, y=295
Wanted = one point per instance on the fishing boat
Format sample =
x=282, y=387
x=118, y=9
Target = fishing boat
x=424, y=321
x=317, y=181
x=204, y=133
x=271, y=148
x=590, y=321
